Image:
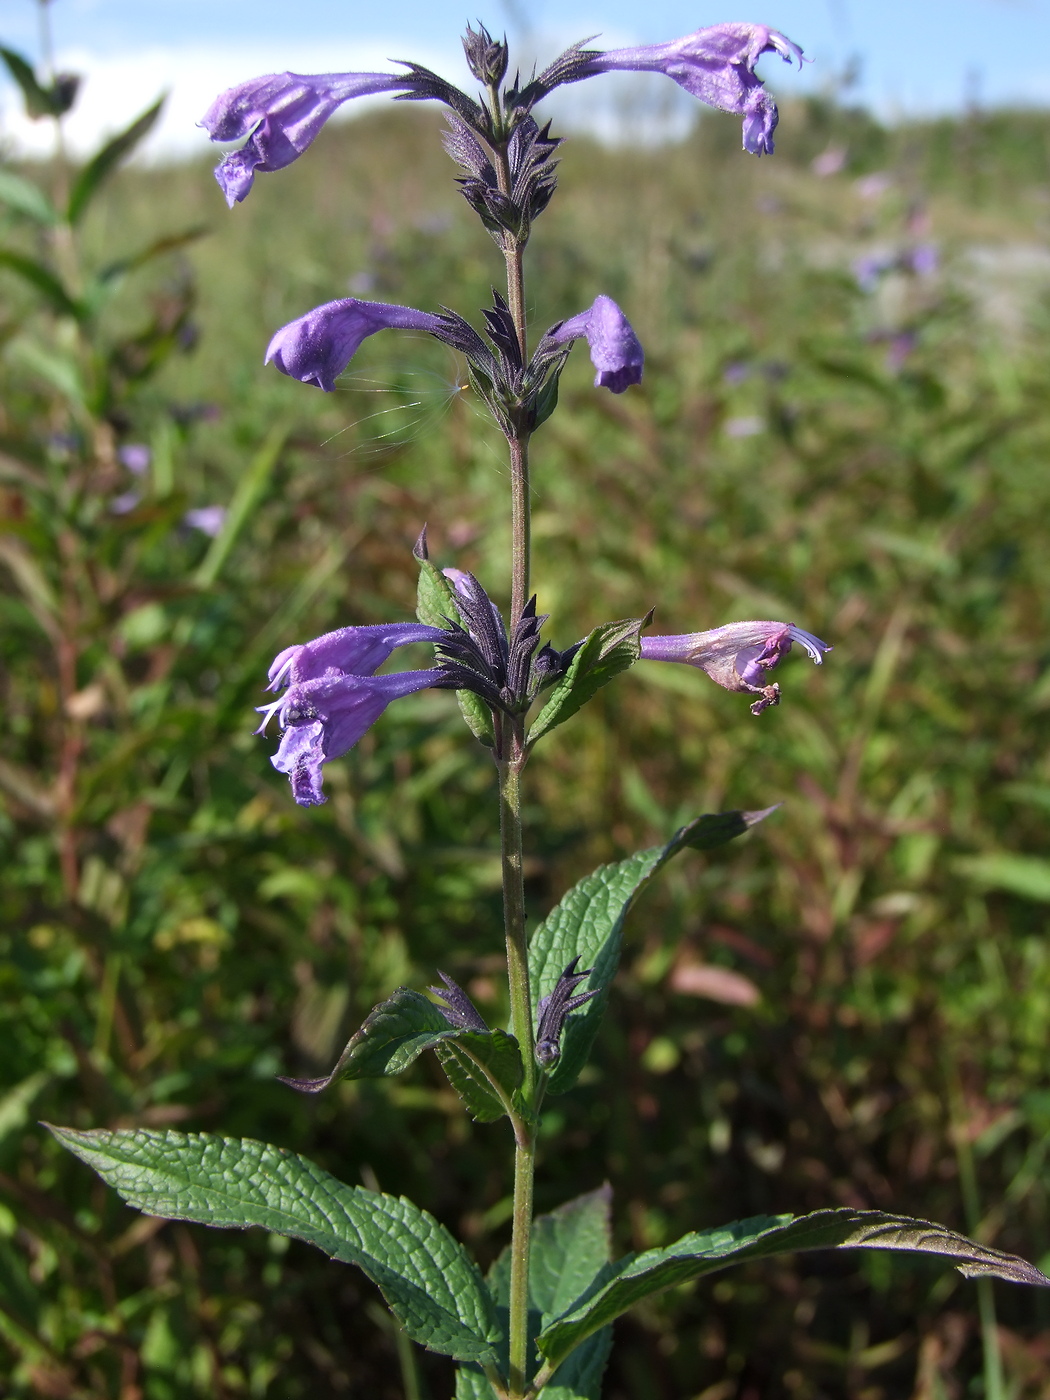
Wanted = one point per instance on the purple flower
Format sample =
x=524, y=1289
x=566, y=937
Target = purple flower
x=319, y=346
x=136, y=456
x=333, y=696
x=739, y=655
x=125, y=502
x=925, y=259
x=717, y=65
x=208, y=519
x=281, y=113
x=616, y=352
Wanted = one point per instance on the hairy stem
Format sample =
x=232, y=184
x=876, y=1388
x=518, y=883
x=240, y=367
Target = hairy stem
x=520, y=525
x=521, y=1010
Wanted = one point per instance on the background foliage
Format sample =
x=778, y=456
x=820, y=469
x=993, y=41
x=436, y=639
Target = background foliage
x=847, y=1008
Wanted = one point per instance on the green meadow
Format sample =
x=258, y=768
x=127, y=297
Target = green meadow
x=847, y=1007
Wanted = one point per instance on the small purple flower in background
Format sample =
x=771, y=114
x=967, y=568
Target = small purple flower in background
x=616, y=352
x=736, y=372
x=738, y=656
x=125, y=502
x=925, y=259
x=317, y=347
x=829, y=162
x=873, y=187
x=136, y=456
x=333, y=696
x=900, y=348
x=746, y=427
x=869, y=268
x=208, y=519
x=717, y=65
x=281, y=113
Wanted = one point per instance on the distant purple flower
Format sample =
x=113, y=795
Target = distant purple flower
x=739, y=655
x=869, y=268
x=925, y=259
x=281, y=113
x=616, y=352
x=125, y=502
x=208, y=519
x=736, y=372
x=900, y=348
x=873, y=187
x=829, y=162
x=333, y=696
x=318, y=346
x=136, y=456
x=717, y=65
x=749, y=426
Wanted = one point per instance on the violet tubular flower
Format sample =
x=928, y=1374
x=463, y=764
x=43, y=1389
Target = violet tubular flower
x=317, y=347
x=281, y=113
x=717, y=65
x=616, y=351
x=738, y=656
x=333, y=696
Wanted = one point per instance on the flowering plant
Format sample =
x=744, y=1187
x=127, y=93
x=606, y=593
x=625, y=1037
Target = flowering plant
x=540, y=1323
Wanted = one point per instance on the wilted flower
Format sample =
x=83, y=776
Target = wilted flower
x=459, y=1011
x=334, y=696
x=554, y=1010
x=739, y=655
x=317, y=347
x=717, y=65
x=616, y=352
x=281, y=113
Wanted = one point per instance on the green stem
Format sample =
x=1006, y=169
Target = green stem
x=406, y=1358
x=520, y=525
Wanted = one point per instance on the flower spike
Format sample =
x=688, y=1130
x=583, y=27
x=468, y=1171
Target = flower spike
x=738, y=656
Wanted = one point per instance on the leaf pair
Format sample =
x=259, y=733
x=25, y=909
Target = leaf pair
x=429, y=1281
x=484, y=1067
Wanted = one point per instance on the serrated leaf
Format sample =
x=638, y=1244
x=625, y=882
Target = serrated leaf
x=484, y=1069
x=611, y=648
x=26, y=198
x=106, y=160
x=396, y=1033
x=588, y=924
x=570, y=1247
x=429, y=1282
x=639, y=1276
x=436, y=607
x=43, y=279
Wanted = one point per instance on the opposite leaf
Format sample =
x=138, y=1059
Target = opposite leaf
x=588, y=924
x=570, y=1246
x=397, y=1032
x=105, y=161
x=610, y=649
x=639, y=1276
x=431, y=1285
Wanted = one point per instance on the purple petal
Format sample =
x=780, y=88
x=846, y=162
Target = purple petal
x=318, y=346
x=208, y=519
x=281, y=113
x=357, y=651
x=325, y=718
x=739, y=656
x=717, y=65
x=136, y=456
x=616, y=352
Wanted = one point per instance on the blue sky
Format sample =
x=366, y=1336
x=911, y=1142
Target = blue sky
x=915, y=55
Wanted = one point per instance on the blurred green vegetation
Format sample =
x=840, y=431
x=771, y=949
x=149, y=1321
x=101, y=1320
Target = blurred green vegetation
x=849, y=1008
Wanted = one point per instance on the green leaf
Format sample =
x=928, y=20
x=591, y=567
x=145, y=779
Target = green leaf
x=639, y=1276
x=588, y=924
x=106, y=160
x=436, y=607
x=610, y=649
x=250, y=490
x=40, y=101
x=1027, y=876
x=26, y=198
x=570, y=1247
x=483, y=1066
x=431, y=1285
x=43, y=279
